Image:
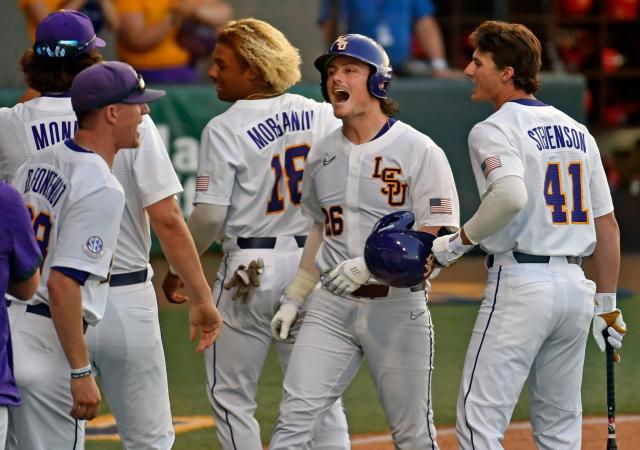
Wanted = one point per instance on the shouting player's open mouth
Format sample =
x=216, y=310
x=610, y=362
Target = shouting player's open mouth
x=340, y=95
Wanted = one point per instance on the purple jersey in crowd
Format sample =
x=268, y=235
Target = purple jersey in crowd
x=19, y=259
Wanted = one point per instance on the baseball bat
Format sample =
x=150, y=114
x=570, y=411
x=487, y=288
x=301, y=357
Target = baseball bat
x=611, y=396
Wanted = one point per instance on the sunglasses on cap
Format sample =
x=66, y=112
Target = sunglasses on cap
x=63, y=48
x=138, y=87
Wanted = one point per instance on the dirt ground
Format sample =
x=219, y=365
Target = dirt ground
x=518, y=437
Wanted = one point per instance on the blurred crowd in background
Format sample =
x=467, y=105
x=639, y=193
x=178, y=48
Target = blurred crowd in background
x=170, y=41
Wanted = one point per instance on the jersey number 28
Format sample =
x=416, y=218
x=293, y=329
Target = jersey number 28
x=556, y=198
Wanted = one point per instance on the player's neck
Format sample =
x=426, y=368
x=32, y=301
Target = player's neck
x=509, y=95
x=262, y=95
x=98, y=144
x=363, y=127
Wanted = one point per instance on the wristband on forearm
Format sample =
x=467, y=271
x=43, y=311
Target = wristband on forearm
x=81, y=372
x=604, y=303
x=301, y=286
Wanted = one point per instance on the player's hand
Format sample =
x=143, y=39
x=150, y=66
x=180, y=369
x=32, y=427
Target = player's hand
x=86, y=398
x=615, y=327
x=347, y=276
x=206, y=317
x=170, y=285
x=449, y=248
x=245, y=280
x=284, y=318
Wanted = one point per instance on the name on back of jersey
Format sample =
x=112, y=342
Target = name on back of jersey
x=46, y=182
x=264, y=132
x=552, y=137
x=51, y=132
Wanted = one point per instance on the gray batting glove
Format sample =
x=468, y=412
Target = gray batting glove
x=347, y=276
x=245, y=280
x=449, y=248
x=284, y=318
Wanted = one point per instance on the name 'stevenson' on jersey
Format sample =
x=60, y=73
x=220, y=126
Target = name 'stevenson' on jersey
x=551, y=137
x=276, y=126
x=45, y=182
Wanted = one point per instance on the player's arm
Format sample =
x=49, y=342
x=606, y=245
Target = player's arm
x=25, y=259
x=179, y=249
x=606, y=257
x=65, y=303
x=25, y=289
x=302, y=285
x=204, y=226
x=504, y=200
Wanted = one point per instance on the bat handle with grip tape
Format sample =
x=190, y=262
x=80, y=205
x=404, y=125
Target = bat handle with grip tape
x=611, y=396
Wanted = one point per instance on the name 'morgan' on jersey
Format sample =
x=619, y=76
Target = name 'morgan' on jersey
x=269, y=129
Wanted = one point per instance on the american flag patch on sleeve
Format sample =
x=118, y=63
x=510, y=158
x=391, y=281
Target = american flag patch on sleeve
x=202, y=183
x=492, y=162
x=440, y=206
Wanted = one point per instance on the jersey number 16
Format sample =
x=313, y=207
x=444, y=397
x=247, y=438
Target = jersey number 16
x=556, y=198
x=294, y=158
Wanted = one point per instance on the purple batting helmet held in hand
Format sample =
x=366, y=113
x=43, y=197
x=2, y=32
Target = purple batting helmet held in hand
x=396, y=254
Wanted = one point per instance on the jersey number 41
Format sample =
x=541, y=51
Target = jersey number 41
x=556, y=198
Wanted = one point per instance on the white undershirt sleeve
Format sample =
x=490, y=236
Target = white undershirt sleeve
x=205, y=224
x=504, y=199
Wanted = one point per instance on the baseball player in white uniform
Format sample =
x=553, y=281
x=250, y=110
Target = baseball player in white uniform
x=545, y=205
x=373, y=165
x=76, y=205
x=65, y=44
x=125, y=346
x=248, y=193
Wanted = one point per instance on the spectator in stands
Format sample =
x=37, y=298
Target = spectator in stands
x=391, y=23
x=147, y=37
x=99, y=11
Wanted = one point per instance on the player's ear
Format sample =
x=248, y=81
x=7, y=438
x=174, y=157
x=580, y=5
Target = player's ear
x=110, y=113
x=507, y=74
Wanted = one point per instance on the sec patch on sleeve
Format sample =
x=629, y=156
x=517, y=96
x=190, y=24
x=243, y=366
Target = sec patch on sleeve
x=94, y=247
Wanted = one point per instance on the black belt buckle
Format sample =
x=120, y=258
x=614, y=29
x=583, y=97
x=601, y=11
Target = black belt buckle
x=125, y=279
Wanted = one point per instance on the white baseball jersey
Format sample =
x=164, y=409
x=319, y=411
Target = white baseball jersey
x=560, y=163
x=252, y=158
x=62, y=187
x=350, y=187
x=30, y=126
x=147, y=176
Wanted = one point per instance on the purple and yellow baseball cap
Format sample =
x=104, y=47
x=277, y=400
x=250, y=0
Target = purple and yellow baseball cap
x=108, y=83
x=65, y=34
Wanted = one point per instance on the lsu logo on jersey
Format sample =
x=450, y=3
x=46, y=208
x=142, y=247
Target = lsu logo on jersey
x=394, y=189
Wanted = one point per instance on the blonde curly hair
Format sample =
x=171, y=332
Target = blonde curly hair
x=265, y=49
